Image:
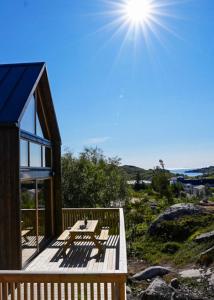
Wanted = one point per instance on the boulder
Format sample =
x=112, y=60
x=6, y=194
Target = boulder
x=150, y=273
x=160, y=290
x=157, y=290
x=205, y=237
x=174, y=212
x=207, y=257
x=129, y=295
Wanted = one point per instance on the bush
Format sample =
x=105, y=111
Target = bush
x=180, y=230
x=170, y=247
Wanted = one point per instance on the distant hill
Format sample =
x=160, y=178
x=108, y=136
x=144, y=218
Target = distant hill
x=131, y=172
x=204, y=171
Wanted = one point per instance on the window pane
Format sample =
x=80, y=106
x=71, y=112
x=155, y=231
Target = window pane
x=38, y=127
x=28, y=220
x=35, y=155
x=23, y=153
x=28, y=120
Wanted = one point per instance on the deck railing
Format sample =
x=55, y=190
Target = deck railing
x=106, y=217
x=24, y=285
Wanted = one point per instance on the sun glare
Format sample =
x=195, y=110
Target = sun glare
x=138, y=11
x=140, y=22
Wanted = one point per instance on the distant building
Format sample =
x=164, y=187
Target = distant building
x=173, y=180
x=199, y=191
x=132, y=182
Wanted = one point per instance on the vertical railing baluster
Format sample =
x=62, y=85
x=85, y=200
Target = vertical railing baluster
x=32, y=291
x=52, y=291
x=4, y=291
x=25, y=291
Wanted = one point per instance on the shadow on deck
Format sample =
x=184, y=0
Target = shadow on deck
x=81, y=256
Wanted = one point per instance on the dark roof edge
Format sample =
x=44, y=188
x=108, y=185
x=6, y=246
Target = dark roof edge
x=23, y=64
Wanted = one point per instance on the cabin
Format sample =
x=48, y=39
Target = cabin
x=30, y=164
x=37, y=259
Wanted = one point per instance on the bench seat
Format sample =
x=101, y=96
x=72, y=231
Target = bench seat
x=64, y=236
x=104, y=234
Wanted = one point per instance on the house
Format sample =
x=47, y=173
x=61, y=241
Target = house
x=33, y=224
x=30, y=164
x=199, y=191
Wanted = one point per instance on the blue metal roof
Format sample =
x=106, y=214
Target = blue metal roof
x=17, y=82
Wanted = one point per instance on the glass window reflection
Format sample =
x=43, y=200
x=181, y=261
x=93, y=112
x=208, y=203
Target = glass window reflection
x=38, y=127
x=28, y=120
x=28, y=220
x=35, y=155
x=23, y=153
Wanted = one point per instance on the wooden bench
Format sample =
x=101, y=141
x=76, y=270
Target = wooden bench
x=64, y=236
x=25, y=233
x=104, y=234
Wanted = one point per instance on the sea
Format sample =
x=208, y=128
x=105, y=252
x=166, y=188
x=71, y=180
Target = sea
x=184, y=172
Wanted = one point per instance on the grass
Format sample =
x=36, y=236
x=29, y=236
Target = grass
x=170, y=247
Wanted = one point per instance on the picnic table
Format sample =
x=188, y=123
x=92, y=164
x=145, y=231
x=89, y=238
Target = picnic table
x=79, y=233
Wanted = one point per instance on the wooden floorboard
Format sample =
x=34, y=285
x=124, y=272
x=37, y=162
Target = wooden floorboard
x=81, y=256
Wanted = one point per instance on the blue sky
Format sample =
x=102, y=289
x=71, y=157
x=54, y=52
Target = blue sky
x=147, y=100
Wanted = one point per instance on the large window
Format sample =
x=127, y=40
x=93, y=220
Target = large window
x=35, y=205
x=30, y=121
x=36, y=181
x=34, y=155
x=35, y=150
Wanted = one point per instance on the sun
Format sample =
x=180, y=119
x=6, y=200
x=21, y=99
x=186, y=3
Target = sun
x=138, y=11
x=139, y=22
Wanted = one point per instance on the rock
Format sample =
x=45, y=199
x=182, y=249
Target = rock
x=157, y=290
x=128, y=290
x=211, y=280
x=151, y=272
x=191, y=273
x=174, y=212
x=175, y=283
x=205, y=237
x=207, y=256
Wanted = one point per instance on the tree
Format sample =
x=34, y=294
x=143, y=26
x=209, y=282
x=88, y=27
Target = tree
x=92, y=179
x=160, y=182
x=139, y=184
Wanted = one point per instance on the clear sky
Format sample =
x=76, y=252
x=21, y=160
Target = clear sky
x=142, y=97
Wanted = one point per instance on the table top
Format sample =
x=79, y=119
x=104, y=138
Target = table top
x=90, y=228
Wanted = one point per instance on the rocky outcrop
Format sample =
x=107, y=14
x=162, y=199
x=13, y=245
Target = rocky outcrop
x=150, y=273
x=174, y=212
x=160, y=290
x=157, y=290
x=205, y=237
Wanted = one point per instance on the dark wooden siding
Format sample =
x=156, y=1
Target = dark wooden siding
x=10, y=240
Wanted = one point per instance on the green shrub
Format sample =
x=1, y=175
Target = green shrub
x=180, y=230
x=170, y=247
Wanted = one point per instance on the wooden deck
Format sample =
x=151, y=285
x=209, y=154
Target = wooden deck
x=81, y=274
x=80, y=257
